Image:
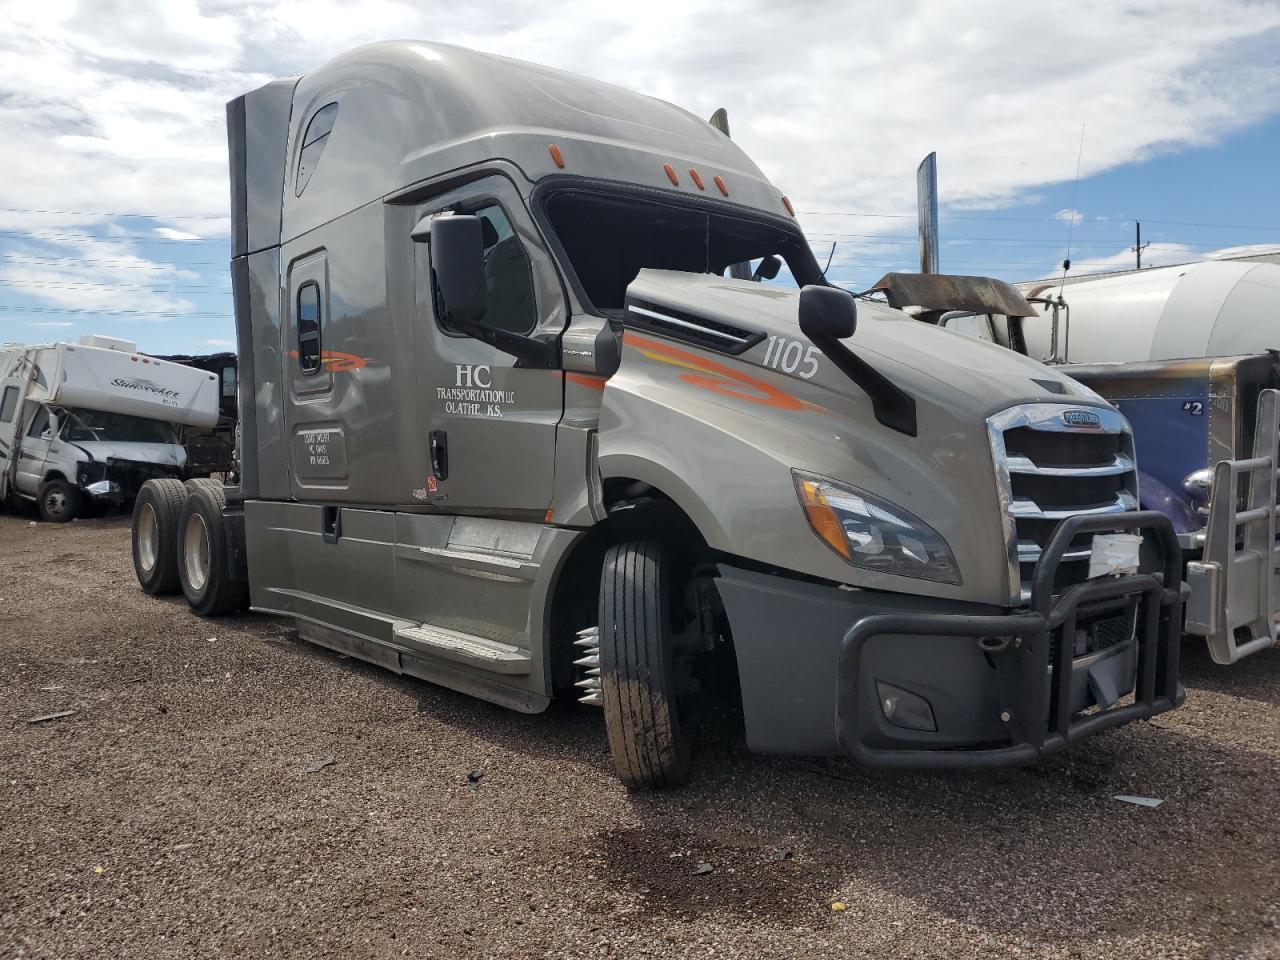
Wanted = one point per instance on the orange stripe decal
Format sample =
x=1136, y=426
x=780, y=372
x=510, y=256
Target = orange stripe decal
x=715, y=376
x=585, y=380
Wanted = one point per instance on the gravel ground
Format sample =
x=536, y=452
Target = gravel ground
x=184, y=811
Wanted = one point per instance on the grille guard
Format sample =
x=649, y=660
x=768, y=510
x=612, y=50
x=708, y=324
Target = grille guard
x=1039, y=716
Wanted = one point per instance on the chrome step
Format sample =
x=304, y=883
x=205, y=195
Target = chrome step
x=466, y=648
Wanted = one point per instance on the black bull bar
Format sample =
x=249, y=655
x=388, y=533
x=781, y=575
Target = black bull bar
x=1037, y=714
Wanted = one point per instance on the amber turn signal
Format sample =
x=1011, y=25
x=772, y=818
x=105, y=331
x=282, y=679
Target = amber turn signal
x=821, y=517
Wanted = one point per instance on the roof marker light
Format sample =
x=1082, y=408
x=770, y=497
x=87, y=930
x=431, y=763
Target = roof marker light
x=790, y=209
x=671, y=174
x=556, y=155
x=719, y=181
x=697, y=179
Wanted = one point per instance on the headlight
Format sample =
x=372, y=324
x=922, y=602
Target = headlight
x=872, y=533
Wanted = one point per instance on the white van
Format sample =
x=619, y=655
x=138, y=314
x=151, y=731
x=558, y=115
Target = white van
x=93, y=421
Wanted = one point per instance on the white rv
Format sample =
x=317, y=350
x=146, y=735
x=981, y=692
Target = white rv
x=93, y=421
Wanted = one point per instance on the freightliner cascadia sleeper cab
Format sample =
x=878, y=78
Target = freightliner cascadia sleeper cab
x=513, y=423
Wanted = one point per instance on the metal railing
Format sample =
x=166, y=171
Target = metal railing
x=1235, y=586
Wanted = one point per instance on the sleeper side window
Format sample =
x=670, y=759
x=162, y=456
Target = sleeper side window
x=8, y=404
x=313, y=143
x=309, y=327
x=508, y=277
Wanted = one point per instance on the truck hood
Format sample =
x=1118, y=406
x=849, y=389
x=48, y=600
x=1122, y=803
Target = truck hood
x=161, y=454
x=966, y=374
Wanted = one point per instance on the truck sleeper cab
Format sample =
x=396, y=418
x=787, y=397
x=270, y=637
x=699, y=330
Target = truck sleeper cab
x=514, y=422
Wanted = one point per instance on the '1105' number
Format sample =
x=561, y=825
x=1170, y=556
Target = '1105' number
x=791, y=356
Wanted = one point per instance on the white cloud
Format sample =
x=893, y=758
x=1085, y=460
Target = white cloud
x=80, y=272
x=1156, y=254
x=169, y=233
x=1245, y=250
x=50, y=323
x=118, y=106
x=1069, y=216
x=218, y=342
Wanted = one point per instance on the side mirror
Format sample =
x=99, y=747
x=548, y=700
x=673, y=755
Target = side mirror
x=768, y=269
x=457, y=259
x=827, y=313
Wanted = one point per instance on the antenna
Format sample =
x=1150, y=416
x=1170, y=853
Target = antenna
x=829, y=257
x=1071, y=219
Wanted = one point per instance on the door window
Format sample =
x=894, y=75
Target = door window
x=40, y=424
x=508, y=279
x=309, y=327
x=8, y=404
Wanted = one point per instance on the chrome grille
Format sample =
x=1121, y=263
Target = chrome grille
x=1054, y=461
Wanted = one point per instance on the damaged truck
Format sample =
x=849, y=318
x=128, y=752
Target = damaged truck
x=88, y=423
x=520, y=419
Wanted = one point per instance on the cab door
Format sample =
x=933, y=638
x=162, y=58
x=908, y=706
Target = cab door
x=490, y=424
x=40, y=429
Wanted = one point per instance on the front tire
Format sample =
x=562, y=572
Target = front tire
x=637, y=678
x=202, y=549
x=60, y=501
x=155, y=535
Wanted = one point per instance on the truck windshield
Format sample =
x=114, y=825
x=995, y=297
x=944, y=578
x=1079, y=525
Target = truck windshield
x=87, y=426
x=609, y=237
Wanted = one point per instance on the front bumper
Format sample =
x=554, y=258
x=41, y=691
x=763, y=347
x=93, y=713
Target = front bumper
x=810, y=657
x=116, y=481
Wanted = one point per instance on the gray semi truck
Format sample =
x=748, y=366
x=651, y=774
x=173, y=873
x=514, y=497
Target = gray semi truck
x=519, y=419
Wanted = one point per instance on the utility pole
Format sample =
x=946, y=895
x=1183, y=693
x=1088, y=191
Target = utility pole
x=1139, y=246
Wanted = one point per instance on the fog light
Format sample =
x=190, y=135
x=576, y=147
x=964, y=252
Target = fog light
x=904, y=709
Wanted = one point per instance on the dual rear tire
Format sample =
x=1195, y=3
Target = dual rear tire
x=180, y=542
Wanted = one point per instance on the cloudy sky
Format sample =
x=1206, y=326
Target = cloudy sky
x=113, y=180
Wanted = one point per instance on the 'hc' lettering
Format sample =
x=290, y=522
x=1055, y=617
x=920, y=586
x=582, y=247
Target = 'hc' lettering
x=474, y=376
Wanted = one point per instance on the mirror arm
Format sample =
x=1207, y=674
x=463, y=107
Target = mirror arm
x=530, y=351
x=893, y=406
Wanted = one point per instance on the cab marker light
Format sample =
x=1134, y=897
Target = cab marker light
x=790, y=209
x=556, y=155
x=719, y=182
x=697, y=179
x=671, y=174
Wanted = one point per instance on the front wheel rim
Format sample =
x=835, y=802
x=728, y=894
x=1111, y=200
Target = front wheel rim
x=55, y=503
x=195, y=552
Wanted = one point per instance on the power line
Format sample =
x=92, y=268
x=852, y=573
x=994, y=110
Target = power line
x=813, y=213
x=139, y=313
x=114, y=264
x=95, y=285
x=1110, y=221
x=123, y=216
x=90, y=238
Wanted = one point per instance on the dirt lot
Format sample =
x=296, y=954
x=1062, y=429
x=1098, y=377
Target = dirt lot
x=179, y=812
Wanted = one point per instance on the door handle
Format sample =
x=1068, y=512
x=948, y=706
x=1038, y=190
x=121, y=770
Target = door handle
x=331, y=524
x=438, y=443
